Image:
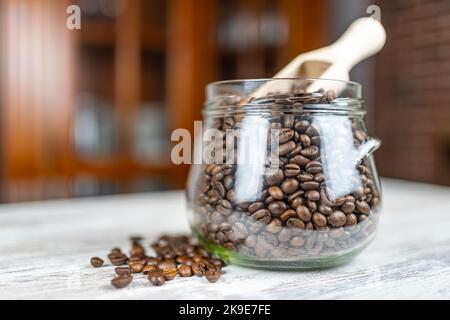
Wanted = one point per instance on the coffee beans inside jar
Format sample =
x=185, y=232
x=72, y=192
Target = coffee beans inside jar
x=316, y=197
x=174, y=256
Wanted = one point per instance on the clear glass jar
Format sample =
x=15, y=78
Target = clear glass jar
x=287, y=180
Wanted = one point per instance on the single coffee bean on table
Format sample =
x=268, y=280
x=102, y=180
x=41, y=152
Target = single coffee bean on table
x=96, y=262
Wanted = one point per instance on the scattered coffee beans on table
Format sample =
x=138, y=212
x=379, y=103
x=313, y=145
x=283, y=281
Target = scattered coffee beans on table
x=175, y=255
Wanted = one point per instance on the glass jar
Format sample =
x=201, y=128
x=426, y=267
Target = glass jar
x=287, y=179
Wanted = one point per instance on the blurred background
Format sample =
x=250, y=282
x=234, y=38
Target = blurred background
x=89, y=112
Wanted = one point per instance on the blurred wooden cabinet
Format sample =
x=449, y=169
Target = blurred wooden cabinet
x=90, y=111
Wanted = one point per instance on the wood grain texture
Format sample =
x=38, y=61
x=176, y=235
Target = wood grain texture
x=45, y=249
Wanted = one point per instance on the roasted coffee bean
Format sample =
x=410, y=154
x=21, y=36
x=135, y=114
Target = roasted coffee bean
x=291, y=170
x=299, y=160
x=156, y=277
x=348, y=207
x=262, y=216
x=290, y=185
x=288, y=214
x=301, y=126
x=324, y=209
x=313, y=167
x=310, y=185
x=147, y=268
x=239, y=231
x=285, y=135
x=118, y=259
x=136, y=267
x=276, y=193
x=123, y=271
x=311, y=152
x=212, y=275
x=363, y=207
x=303, y=213
x=219, y=188
x=351, y=220
x=312, y=131
x=276, y=208
x=274, y=226
x=319, y=219
x=313, y=195
x=121, y=281
x=295, y=223
x=96, y=262
x=305, y=177
x=167, y=264
x=286, y=148
x=184, y=270
x=198, y=269
x=228, y=182
x=337, y=219
x=170, y=274
x=275, y=178
x=255, y=206
x=305, y=140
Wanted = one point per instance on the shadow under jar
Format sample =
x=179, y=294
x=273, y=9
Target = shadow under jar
x=287, y=180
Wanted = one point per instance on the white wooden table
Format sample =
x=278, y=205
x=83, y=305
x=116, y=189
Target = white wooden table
x=45, y=248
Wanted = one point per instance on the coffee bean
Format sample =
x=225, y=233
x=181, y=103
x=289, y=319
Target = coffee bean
x=198, y=269
x=96, y=262
x=305, y=177
x=285, y=135
x=184, y=270
x=299, y=160
x=212, y=275
x=351, y=220
x=319, y=219
x=301, y=126
x=276, y=208
x=288, y=214
x=147, y=268
x=310, y=185
x=136, y=267
x=274, y=226
x=170, y=274
x=313, y=167
x=121, y=281
x=156, y=277
x=303, y=213
x=167, y=264
x=311, y=152
x=295, y=223
x=313, y=195
x=286, y=148
x=305, y=140
x=348, y=207
x=290, y=185
x=363, y=207
x=276, y=193
x=291, y=170
x=262, y=216
x=255, y=206
x=337, y=219
x=275, y=178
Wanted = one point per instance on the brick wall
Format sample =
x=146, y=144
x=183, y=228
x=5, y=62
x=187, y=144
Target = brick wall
x=412, y=91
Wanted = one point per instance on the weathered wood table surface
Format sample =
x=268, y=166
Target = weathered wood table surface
x=45, y=248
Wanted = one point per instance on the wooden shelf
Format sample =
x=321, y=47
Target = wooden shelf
x=102, y=33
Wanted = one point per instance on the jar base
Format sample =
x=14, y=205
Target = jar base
x=303, y=264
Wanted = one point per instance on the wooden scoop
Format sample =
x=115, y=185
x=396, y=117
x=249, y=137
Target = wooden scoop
x=363, y=38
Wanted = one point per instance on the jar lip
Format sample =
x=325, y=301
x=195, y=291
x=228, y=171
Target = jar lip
x=234, y=81
x=235, y=95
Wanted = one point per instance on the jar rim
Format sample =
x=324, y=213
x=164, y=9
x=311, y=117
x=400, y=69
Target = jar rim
x=232, y=81
x=226, y=95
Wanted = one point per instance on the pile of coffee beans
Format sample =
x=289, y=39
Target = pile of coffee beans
x=174, y=255
x=296, y=214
